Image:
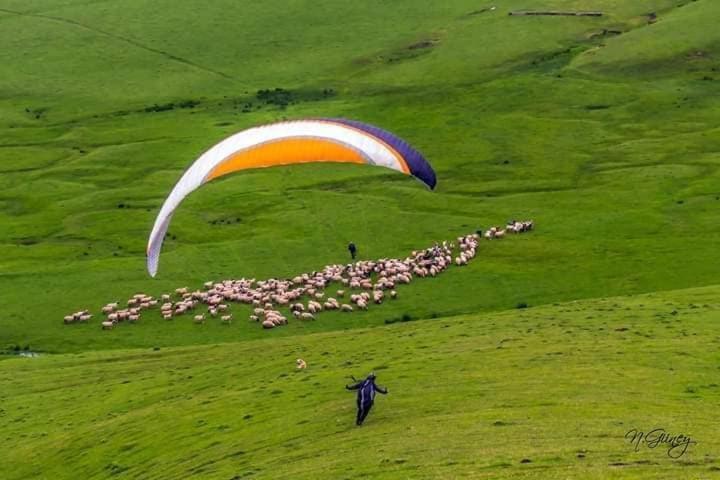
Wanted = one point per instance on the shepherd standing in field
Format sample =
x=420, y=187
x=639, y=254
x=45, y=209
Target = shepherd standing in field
x=353, y=250
x=366, y=396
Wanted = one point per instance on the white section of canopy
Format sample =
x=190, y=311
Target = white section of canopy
x=373, y=150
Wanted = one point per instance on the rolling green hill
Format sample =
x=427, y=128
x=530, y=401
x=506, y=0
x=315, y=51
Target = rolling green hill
x=604, y=130
x=609, y=141
x=547, y=392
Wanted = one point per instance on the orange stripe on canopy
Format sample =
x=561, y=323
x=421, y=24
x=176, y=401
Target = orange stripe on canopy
x=285, y=152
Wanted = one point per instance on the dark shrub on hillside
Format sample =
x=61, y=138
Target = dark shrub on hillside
x=189, y=103
x=278, y=96
x=405, y=317
x=160, y=108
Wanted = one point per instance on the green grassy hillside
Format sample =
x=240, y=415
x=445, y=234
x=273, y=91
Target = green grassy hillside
x=608, y=140
x=604, y=130
x=546, y=392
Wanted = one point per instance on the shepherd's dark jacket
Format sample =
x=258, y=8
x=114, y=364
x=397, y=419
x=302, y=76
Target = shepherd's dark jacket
x=366, y=391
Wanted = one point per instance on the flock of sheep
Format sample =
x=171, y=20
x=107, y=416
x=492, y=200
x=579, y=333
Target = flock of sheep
x=304, y=296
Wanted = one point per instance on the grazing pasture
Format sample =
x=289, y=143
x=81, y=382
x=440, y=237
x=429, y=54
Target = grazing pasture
x=532, y=361
x=544, y=392
x=609, y=141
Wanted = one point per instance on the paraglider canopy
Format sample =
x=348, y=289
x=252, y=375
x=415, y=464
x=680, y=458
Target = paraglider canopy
x=289, y=143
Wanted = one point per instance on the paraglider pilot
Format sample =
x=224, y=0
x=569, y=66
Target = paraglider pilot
x=365, y=396
x=353, y=250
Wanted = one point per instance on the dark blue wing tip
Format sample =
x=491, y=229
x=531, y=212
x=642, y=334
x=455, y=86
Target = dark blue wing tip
x=426, y=175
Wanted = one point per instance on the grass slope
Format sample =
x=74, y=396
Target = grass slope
x=615, y=156
x=604, y=130
x=546, y=392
